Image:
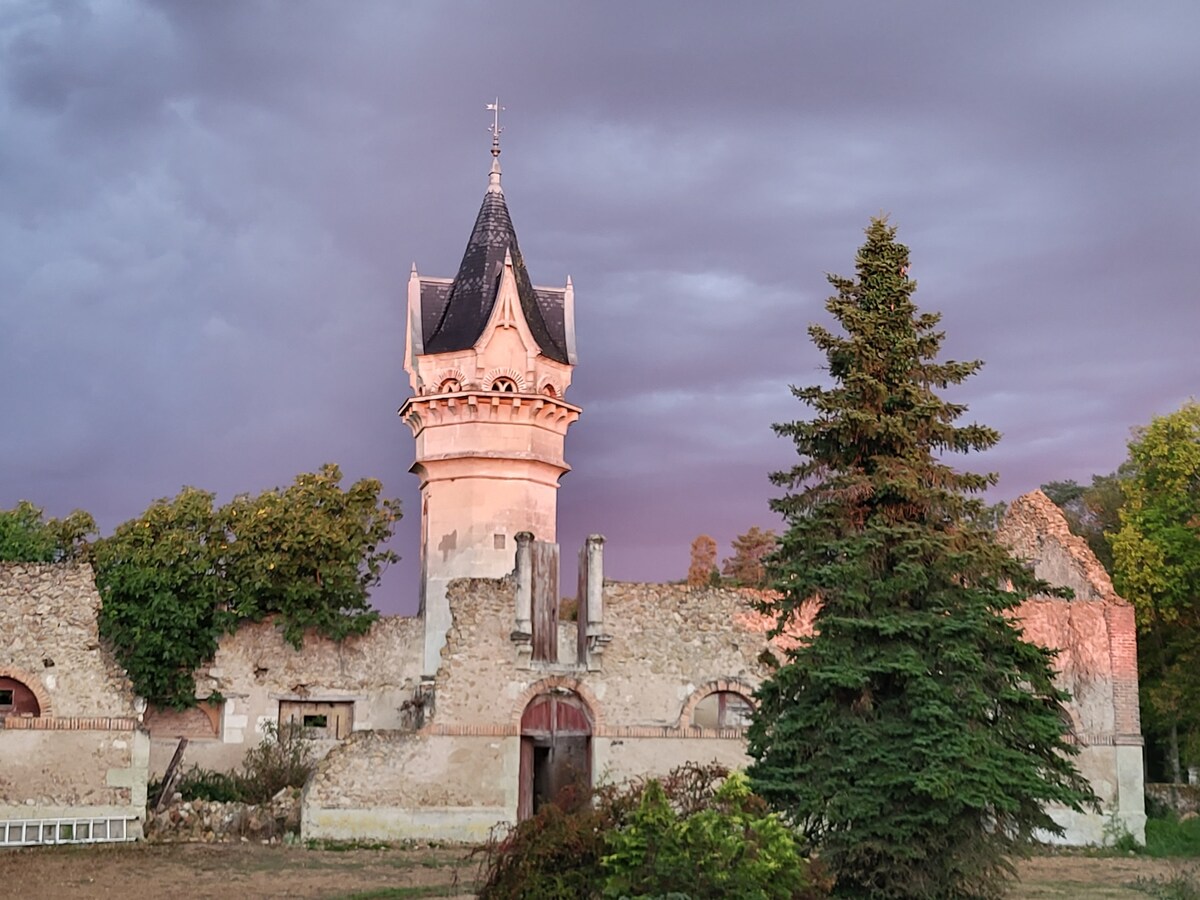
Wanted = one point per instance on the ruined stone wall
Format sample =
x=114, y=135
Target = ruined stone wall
x=255, y=668
x=86, y=754
x=669, y=642
x=388, y=785
x=670, y=646
x=1096, y=638
x=48, y=616
x=61, y=772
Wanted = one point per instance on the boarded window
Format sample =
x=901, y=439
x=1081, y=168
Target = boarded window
x=722, y=709
x=322, y=720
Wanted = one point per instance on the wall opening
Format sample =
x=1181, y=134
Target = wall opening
x=16, y=699
x=323, y=721
x=723, y=709
x=556, y=752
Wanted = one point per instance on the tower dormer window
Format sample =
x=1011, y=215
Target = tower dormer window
x=450, y=386
x=505, y=385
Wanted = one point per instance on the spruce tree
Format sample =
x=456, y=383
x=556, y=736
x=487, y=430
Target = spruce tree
x=916, y=737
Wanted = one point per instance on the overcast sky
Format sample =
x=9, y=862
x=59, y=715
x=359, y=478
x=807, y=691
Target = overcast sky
x=208, y=212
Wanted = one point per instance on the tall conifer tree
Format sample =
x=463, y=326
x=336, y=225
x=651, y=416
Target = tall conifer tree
x=915, y=737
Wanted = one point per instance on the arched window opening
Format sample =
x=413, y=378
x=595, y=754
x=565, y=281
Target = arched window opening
x=450, y=386
x=16, y=699
x=723, y=709
x=549, y=390
x=505, y=385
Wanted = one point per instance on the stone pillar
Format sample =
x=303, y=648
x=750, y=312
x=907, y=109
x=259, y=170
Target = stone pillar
x=592, y=605
x=595, y=583
x=522, y=634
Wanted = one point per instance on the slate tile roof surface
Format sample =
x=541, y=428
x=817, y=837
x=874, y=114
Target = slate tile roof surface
x=454, y=316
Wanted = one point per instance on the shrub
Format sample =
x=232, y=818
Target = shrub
x=1169, y=837
x=734, y=848
x=695, y=833
x=205, y=784
x=282, y=759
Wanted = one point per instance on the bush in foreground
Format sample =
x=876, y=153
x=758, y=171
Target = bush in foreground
x=283, y=759
x=697, y=833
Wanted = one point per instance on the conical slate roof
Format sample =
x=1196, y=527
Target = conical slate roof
x=455, y=315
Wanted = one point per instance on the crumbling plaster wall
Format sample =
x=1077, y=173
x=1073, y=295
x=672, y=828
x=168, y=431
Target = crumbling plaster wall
x=86, y=754
x=76, y=772
x=389, y=785
x=49, y=617
x=668, y=642
x=255, y=668
x=670, y=645
x=1096, y=638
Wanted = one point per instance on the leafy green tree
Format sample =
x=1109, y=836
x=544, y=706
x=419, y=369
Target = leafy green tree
x=1092, y=512
x=915, y=738
x=163, y=598
x=184, y=573
x=1157, y=568
x=308, y=554
x=745, y=568
x=26, y=535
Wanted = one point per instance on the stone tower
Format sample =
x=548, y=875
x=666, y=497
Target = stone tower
x=490, y=358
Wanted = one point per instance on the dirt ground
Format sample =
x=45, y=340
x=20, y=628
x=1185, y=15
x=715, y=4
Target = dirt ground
x=252, y=871
x=239, y=871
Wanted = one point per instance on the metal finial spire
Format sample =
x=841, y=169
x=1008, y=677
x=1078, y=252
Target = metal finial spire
x=495, y=109
x=494, y=178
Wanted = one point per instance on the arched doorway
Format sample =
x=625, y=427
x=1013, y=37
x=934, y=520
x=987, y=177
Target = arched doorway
x=556, y=750
x=16, y=699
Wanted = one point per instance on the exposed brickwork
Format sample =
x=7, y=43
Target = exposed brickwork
x=713, y=687
x=1122, y=632
x=34, y=683
x=201, y=722
x=71, y=723
x=559, y=682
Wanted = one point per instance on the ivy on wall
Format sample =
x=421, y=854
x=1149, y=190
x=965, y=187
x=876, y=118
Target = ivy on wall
x=176, y=578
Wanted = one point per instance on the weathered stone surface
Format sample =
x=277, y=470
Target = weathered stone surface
x=209, y=821
x=255, y=668
x=48, y=614
x=442, y=760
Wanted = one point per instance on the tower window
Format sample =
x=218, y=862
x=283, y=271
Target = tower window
x=505, y=385
x=450, y=386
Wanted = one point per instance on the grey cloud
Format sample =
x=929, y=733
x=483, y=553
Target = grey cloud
x=209, y=212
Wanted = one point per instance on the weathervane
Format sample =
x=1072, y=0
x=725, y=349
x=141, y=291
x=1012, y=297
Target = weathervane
x=495, y=109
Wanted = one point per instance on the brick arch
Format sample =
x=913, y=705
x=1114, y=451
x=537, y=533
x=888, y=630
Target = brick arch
x=35, y=687
x=717, y=686
x=451, y=374
x=559, y=682
x=505, y=372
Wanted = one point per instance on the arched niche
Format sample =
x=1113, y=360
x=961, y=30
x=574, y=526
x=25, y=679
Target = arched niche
x=720, y=705
x=18, y=699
